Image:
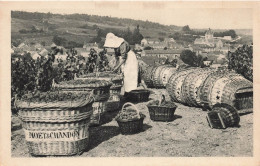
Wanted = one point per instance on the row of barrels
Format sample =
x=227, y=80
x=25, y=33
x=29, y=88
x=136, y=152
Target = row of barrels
x=199, y=86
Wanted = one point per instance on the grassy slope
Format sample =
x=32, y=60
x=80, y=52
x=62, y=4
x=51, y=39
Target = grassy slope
x=70, y=29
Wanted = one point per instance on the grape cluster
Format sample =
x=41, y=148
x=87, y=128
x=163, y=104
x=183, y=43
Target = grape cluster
x=52, y=96
x=128, y=115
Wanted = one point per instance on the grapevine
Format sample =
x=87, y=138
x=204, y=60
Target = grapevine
x=242, y=61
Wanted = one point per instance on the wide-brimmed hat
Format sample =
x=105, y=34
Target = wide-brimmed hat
x=113, y=41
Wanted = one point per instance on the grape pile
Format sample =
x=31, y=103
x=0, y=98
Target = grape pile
x=129, y=115
x=52, y=96
x=242, y=61
x=88, y=83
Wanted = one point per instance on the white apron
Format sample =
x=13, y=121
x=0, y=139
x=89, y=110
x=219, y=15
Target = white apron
x=130, y=70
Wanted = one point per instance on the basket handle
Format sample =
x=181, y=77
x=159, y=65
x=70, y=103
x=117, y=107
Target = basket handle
x=161, y=99
x=137, y=110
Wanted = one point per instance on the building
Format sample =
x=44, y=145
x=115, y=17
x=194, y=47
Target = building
x=162, y=53
x=208, y=42
x=229, y=38
x=154, y=43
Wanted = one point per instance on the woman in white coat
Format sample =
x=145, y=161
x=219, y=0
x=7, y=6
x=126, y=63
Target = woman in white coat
x=128, y=63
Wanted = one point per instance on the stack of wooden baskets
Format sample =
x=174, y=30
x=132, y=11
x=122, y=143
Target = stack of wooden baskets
x=57, y=124
x=157, y=77
x=200, y=87
x=100, y=89
x=113, y=102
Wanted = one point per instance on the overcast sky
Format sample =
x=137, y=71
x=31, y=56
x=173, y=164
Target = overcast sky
x=215, y=18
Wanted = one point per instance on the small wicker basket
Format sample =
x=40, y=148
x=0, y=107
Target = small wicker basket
x=160, y=112
x=138, y=95
x=131, y=126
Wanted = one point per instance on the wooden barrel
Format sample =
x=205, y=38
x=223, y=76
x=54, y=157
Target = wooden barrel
x=166, y=74
x=175, y=83
x=192, y=84
x=147, y=76
x=156, y=76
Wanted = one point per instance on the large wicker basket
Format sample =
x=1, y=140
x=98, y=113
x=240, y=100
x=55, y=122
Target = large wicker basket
x=156, y=76
x=222, y=116
x=222, y=88
x=174, y=86
x=56, y=128
x=192, y=84
x=165, y=75
x=148, y=76
x=99, y=109
x=100, y=88
x=131, y=126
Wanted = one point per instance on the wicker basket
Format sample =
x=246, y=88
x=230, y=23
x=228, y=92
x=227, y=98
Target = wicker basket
x=223, y=116
x=156, y=76
x=139, y=95
x=99, y=108
x=131, y=127
x=161, y=113
x=148, y=75
x=192, y=84
x=100, y=88
x=115, y=89
x=174, y=86
x=222, y=87
x=112, y=105
x=56, y=128
x=244, y=99
x=165, y=75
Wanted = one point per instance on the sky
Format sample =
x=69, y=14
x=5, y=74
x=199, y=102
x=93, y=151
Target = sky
x=215, y=18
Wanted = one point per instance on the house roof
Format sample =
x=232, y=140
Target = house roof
x=163, y=51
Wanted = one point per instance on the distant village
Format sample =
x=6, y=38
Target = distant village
x=215, y=49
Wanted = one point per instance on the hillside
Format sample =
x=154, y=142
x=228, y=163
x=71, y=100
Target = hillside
x=79, y=28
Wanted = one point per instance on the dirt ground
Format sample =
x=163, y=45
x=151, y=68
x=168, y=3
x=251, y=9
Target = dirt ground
x=187, y=136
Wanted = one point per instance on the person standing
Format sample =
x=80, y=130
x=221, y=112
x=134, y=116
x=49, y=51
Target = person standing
x=128, y=63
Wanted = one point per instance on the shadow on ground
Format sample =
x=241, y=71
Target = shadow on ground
x=100, y=134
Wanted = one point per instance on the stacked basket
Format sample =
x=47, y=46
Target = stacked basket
x=100, y=89
x=174, y=86
x=222, y=87
x=56, y=125
x=113, y=102
x=157, y=77
x=200, y=87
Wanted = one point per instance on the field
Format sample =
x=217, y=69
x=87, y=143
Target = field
x=187, y=136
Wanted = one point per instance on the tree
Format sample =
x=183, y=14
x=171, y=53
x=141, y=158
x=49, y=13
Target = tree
x=189, y=57
x=186, y=28
x=137, y=36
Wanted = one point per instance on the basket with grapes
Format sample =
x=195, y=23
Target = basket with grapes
x=55, y=123
x=130, y=119
x=161, y=110
x=100, y=88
